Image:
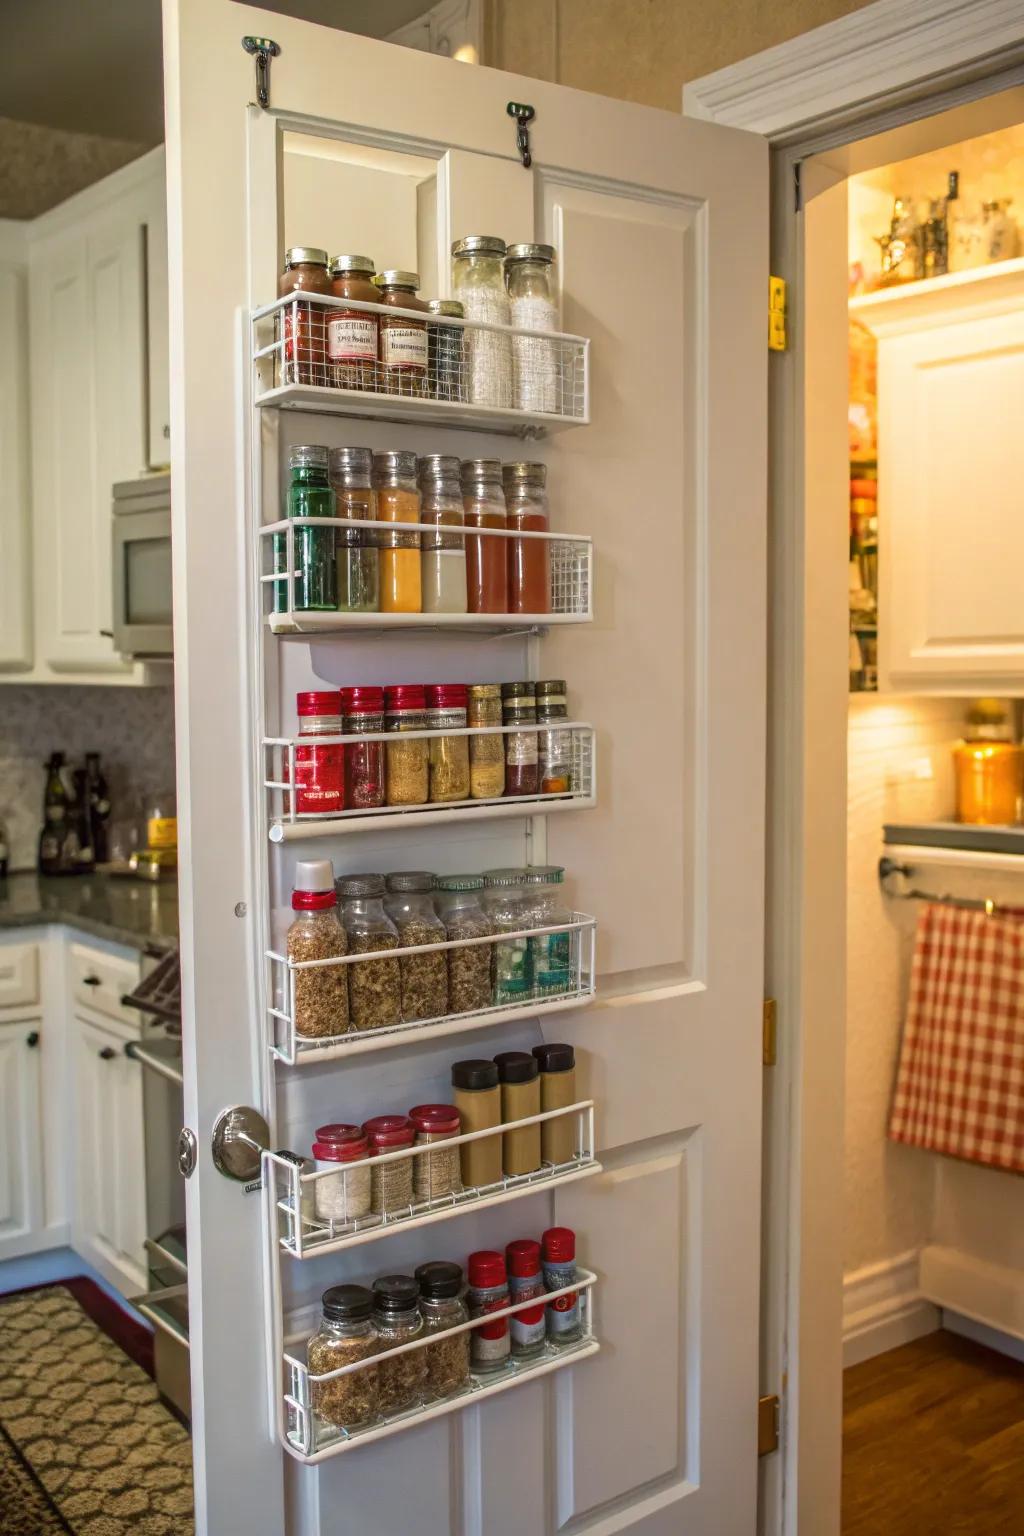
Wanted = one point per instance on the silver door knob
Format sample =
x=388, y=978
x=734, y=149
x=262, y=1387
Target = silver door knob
x=240, y=1136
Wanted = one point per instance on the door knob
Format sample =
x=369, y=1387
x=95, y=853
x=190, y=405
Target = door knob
x=108, y=1053
x=240, y=1136
x=32, y=1039
x=188, y=1150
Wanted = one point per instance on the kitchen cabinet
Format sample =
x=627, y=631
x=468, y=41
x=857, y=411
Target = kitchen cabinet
x=15, y=546
x=950, y=467
x=21, y=1141
x=109, y=1221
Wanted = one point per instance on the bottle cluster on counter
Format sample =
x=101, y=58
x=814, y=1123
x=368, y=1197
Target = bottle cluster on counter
x=360, y=1323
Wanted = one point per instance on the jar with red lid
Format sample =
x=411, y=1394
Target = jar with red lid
x=407, y=765
x=449, y=755
x=352, y=333
x=340, y=1152
x=526, y=1328
x=558, y=1261
x=488, y=1292
x=362, y=714
x=303, y=325
x=320, y=995
x=319, y=769
x=437, y=1173
x=391, y=1183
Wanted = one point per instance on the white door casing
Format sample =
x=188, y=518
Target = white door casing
x=661, y=229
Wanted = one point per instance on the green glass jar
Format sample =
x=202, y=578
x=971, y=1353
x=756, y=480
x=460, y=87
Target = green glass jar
x=316, y=569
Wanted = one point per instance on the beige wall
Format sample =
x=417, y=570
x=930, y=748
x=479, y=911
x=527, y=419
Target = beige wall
x=645, y=50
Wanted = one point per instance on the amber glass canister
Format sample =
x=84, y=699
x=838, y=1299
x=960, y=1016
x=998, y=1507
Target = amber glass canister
x=403, y=340
x=483, y=500
x=520, y=1098
x=529, y=560
x=989, y=768
x=303, y=336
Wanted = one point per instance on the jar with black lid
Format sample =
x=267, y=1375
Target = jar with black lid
x=396, y=1316
x=443, y=1307
x=346, y=1334
x=522, y=768
x=520, y=1098
x=444, y=351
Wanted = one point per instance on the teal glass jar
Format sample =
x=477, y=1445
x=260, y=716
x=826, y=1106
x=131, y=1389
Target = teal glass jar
x=316, y=567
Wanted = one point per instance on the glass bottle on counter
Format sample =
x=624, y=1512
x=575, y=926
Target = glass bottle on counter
x=407, y=762
x=444, y=351
x=362, y=714
x=469, y=968
x=99, y=805
x=403, y=340
x=424, y=977
x=352, y=337
x=483, y=501
x=396, y=1313
x=444, y=554
x=350, y=472
x=505, y=904
x=55, y=818
x=374, y=986
x=302, y=330
x=443, y=1307
x=398, y=501
x=346, y=1334
x=530, y=276
x=315, y=577
x=449, y=755
x=529, y=560
x=486, y=753
x=478, y=283
x=522, y=766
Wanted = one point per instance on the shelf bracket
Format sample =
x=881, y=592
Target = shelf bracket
x=523, y=115
x=263, y=50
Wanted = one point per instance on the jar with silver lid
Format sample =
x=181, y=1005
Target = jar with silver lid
x=443, y=561
x=479, y=284
x=403, y=339
x=350, y=475
x=529, y=273
x=352, y=334
x=444, y=351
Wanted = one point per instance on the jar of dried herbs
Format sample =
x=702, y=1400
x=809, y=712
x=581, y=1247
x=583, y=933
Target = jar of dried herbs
x=550, y=953
x=396, y=1315
x=486, y=753
x=407, y=761
x=340, y=1152
x=374, y=986
x=346, y=1334
x=362, y=714
x=424, y=977
x=505, y=901
x=391, y=1183
x=469, y=968
x=443, y=1307
x=449, y=755
x=321, y=991
x=436, y=1174
x=488, y=1292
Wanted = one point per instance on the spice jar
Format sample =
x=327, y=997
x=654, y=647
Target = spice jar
x=436, y=1174
x=558, y=1261
x=374, y=986
x=321, y=993
x=526, y=1328
x=554, y=746
x=344, y=1195
x=478, y=1099
x=319, y=770
x=488, y=1292
x=304, y=354
x=486, y=753
x=314, y=579
x=362, y=714
x=557, y=1065
x=449, y=755
x=352, y=333
x=407, y=767
x=469, y=968
x=398, y=501
x=349, y=472
x=530, y=277
x=529, y=560
x=522, y=765
x=424, y=977
x=396, y=1314
x=989, y=768
x=505, y=902
x=483, y=501
x=390, y=1183
x=550, y=953
x=443, y=1307
x=519, y=1076
x=444, y=554
x=346, y=1334
x=478, y=282
x=403, y=339
x=444, y=351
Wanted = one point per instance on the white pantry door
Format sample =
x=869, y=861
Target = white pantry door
x=661, y=228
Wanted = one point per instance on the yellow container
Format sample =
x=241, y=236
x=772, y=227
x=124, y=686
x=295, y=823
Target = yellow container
x=989, y=782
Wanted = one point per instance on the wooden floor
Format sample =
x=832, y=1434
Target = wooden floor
x=933, y=1442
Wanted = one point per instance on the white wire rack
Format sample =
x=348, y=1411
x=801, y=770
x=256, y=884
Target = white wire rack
x=287, y=822
x=570, y=565
x=304, y=1235
x=494, y=378
x=294, y=1049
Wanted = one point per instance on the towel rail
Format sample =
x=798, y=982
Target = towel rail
x=888, y=867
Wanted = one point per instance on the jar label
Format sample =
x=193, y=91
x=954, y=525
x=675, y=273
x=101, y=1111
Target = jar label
x=352, y=338
x=521, y=749
x=446, y=719
x=404, y=344
x=491, y=1341
x=551, y=962
x=320, y=725
x=319, y=780
x=526, y=1328
x=564, y=1311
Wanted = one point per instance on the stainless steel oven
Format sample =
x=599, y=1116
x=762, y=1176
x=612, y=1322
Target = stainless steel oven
x=142, y=567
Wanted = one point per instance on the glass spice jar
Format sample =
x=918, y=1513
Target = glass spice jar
x=396, y=1314
x=443, y=1307
x=346, y=1334
x=321, y=992
x=314, y=580
x=398, y=501
x=319, y=770
x=483, y=501
x=530, y=278
x=390, y=1183
x=558, y=1262
x=449, y=755
x=554, y=746
x=478, y=283
x=352, y=340
x=362, y=714
x=302, y=333
x=343, y=1195
x=350, y=475
x=529, y=560
x=444, y=554
x=550, y=953
x=374, y=986
x=522, y=767
x=444, y=351
x=407, y=764
x=469, y=967
x=436, y=1174
x=486, y=753
x=488, y=1292
x=505, y=900
x=403, y=339
x=525, y=1280
x=424, y=977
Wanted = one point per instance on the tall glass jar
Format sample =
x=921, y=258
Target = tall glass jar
x=444, y=352
x=352, y=338
x=398, y=501
x=449, y=755
x=374, y=986
x=554, y=744
x=506, y=906
x=529, y=272
x=443, y=1307
x=350, y=473
x=529, y=560
x=486, y=753
x=403, y=340
x=321, y=992
x=346, y=1334
x=550, y=953
x=478, y=283
x=319, y=767
x=444, y=554
x=407, y=765
x=483, y=501
x=469, y=967
x=302, y=333
x=424, y=977
x=362, y=714
x=522, y=765
x=315, y=577
x=396, y=1313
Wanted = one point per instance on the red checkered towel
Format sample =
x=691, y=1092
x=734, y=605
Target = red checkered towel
x=960, y=1079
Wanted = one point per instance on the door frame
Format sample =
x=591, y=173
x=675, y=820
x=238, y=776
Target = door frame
x=882, y=68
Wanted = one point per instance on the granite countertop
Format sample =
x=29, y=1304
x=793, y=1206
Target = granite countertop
x=136, y=913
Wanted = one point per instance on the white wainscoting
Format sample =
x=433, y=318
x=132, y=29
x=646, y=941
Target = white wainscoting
x=883, y=1307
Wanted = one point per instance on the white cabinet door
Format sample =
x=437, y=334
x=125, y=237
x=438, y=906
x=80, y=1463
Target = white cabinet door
x=15, y=540
x=109, y=1226
x=21, y=1150
x=158, y=382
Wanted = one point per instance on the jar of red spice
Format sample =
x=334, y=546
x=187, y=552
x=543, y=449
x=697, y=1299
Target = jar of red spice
x=483, y=501
x=303, y=325
x=525, y=1279
x=488, y=1292
x=352, y=333
x=526, y=505
x=319, y=769
x=391, y=1183
x=362, y=714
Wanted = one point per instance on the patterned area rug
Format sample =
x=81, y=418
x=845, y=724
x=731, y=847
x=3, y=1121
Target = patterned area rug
x=86, y=1446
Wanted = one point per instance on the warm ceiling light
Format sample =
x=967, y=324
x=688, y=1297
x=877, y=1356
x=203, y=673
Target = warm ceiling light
x=466, y=54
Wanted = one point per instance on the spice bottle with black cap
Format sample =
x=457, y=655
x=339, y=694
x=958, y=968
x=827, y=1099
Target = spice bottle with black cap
x=396, y=1316
x=520, y=1097
x=477, y=1096
x=557, y=1065
x=443, y=1307
x=346, y=1334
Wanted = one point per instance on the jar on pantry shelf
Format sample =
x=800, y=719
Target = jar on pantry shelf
x=505, y=903
x=469, y=967
x=989, y=768
x=346, y=1334
x=477, y=1095
x=303, y=337
x=321, y=992
x=488, y=1292
x=424, y=977
x=396, y=1314
x=444, y=554
x=486, y=753
x=530, y=276
x=557, y=1065
x=449, y=755
x=403, y=339
x=350, y=472
x=362, y=714
x=478, y=283
x=319, y=770
x=314, y=578
x=483, y=502
x=519, y=1076
x=529, y=560
x=352, y=339
x=550, y=953
x=390, y=1183
x=554, y=745
x=340, y=1153
x=436, y=1174
x=443, y=1307
x=525, y=1279
x=374, y=986
x=558, y=1261
x=398, y=501
x=522, y=765
x=407, y=763
x=444, y=351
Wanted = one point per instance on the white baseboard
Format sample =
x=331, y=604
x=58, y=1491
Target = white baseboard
x=25, y=1245
x=883, y=1308
x=989, y=1294
x=967, y=1328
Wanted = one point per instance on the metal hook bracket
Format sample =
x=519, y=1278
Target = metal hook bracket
x=523, y=115
x=263, y=49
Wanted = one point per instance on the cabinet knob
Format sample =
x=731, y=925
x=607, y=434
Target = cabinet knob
x=32, y=1039
x=108, y=1053
x=90, y=981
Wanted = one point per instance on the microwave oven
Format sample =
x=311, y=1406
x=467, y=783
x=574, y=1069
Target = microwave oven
x=141, y=584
